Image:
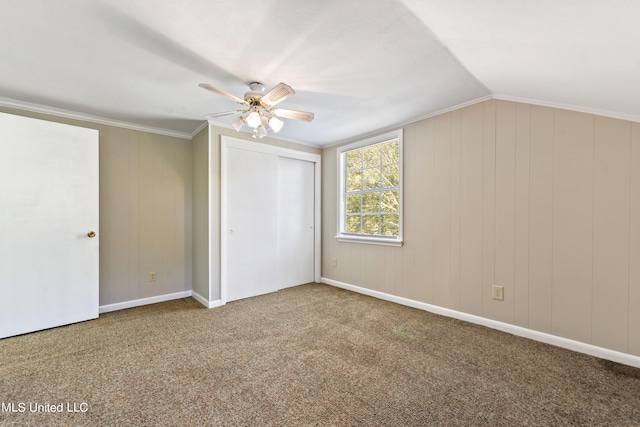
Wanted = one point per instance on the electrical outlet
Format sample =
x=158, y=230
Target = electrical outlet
x=153, y=276
x=497, y=292
x=334, y=262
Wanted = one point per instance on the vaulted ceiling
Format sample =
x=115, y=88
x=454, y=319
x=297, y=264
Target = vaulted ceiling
x=360, y=65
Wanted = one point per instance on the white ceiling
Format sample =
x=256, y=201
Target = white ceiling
x=360, y=65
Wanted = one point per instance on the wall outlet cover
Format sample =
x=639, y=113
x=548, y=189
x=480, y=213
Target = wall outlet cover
x=497, y=292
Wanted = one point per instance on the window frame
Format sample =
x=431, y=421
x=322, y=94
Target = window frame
x=341, y=235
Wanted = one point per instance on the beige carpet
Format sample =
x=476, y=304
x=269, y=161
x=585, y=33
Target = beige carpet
x=311, y=355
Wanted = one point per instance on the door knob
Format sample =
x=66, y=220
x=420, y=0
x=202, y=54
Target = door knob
x=91, y=234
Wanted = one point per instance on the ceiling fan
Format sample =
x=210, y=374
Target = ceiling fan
x=259, y=112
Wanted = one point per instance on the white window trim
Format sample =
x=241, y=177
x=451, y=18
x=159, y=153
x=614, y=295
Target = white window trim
x=373, y=240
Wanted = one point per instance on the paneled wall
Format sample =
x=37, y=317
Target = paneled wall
x=145, y=199
x=542, y=201
x=145, y=212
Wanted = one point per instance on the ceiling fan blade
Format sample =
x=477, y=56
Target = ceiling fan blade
x=293, y=114
x=279, y=93
x=223, y=93
x=224, y=113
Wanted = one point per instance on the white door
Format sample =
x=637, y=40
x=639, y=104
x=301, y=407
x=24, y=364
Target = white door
x=268, y=221
x=48, y=206
x=295, y=222
x=250, y=193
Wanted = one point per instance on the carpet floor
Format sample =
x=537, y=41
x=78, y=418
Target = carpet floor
x=312, y=355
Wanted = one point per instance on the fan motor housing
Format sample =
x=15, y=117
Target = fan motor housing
x=257, y=90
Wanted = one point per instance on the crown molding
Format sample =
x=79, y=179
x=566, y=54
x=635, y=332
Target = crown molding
x=569, y=107
x=58, y=112
x=409, y=121
x=67, y=114
x=197, y=131
x=447, y=110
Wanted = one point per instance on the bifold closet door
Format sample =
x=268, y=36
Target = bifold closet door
x=268, y=204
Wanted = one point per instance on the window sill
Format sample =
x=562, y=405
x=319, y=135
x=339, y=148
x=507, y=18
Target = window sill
x=369, y=240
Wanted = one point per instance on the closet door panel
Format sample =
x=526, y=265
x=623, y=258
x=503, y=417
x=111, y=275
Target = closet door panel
x=295, y=222
x=251, y=193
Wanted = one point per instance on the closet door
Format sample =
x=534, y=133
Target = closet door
x=295, y=222
x=268, y=220
x=250, y=194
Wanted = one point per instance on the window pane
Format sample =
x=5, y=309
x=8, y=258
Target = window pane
x=352, y=203
x=390, y=152
x=354, y=159
x=389, y=225
x=371, y=178
x=389, y=200
x=371, y=202
x=354, y=181
x=371, y=156
x=353, y=224
x=390, y=176
x=371, y=224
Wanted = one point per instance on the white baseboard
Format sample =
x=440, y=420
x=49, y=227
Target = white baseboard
x=209, y=304
x=143, y=301
x=577, y=346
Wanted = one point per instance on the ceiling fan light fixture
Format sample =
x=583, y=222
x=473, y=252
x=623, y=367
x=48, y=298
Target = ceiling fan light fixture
x=253, y=119
x=260, y=114
x=265, y=122
x=239, y=123
x=261, y=131
x=276, y=124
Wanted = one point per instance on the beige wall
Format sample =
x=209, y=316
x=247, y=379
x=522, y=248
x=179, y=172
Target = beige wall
x=145, y=211
x=200, y=176
x=542, y=201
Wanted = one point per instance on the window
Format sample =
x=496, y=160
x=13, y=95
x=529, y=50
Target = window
x=370, y=190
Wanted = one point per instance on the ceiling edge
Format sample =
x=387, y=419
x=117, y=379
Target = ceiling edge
x=587, y=110
x=569, y=107
x=409, y=121
x=58, y=112
x=197, y=131
x=37, y=108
